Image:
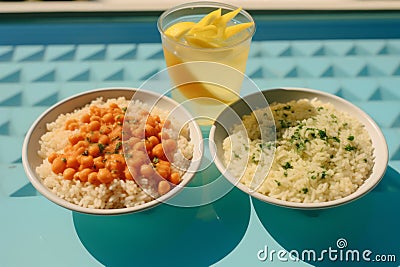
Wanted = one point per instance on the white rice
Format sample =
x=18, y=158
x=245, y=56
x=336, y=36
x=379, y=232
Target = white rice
x=321, y=154
x=118, y=193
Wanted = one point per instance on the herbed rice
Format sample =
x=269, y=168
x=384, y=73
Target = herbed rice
x=320, y=154
x=117, y=194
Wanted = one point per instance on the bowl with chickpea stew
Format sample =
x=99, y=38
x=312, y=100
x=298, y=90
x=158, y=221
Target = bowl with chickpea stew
x=112, y=151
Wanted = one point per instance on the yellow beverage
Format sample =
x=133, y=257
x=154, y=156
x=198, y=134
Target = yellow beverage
x=206, y=49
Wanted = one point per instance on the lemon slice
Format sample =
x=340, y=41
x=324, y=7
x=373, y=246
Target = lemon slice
x=232, y=30
x=177, y=30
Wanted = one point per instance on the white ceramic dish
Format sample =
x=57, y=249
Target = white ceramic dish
x=282, y=95
x=31, y=159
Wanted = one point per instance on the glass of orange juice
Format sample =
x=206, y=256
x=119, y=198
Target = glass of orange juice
x=206, y=46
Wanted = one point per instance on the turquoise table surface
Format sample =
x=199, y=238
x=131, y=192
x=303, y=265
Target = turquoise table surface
x=42, y=62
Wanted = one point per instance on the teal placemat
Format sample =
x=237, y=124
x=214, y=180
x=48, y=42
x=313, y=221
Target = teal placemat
x=34, y=77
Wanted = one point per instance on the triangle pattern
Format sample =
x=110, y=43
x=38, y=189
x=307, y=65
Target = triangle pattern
x=329, y=72
x=368, y=71
x=15, y=100
x=18, y=160
x=70, y=55
x=81, y=77
x=12, y=77
x=148, y=75
x=26, y=191
x=38, y=56
x=157, y=55
x=99, y=55
x=117, y=76
x=396, y=155
x=397, y=71
x=48, y=101
x=293, y=73
x=352, y=51
x=384, y=51
x=128, y=55
x=5, y=128
x=320, y=52
x=257, y=74
x=377, y=95
x=7, y=56
x=287, y=52
x=48, y=77
x=396, y=122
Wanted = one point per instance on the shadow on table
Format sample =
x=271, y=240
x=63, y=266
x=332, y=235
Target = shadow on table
x=370, y=223
x=167, y=235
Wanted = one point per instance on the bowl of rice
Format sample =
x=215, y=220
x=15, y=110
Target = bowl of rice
x=112, y=151
x=299, y=148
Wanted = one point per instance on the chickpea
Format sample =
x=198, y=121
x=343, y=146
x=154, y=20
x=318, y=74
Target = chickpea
x=151, y=121
x=59, y=164
x=72, y=126
x=138, y=158
x=94, y=110
x=116, y=134
x=69, y=122
x=148, y=145
x=139, y=146
x=119, y=118
x=113, y=106
x=82, y=143
x=94, y=136
x=128, y=174
x=138, y=133
x=164, y=171
x=86, y=161
x=146, y=170
x=75, y=138
x=104, y=176
x=52, y=157
x=166, y=124
x=85, y=118
x=163, y=135
x=175, y=178
x=96, y=117
x=104, y=140
x=153, y=140
x=98, y=163
x=149, y=130
x=105, y=129
x=94, y=150
x=92, y=178
x=163, y=187
x=158, y=152
x=79, y=151
x=68, y=173
x=108, y=118
x=94, y=125
x=169, y=145
x=72, y=162
x=84, y=128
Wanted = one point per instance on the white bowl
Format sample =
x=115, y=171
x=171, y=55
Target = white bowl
x=218, y=133
x=31, y=146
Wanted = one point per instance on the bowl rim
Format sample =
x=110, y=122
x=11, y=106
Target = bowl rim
x=34, y=179
x=361, y=191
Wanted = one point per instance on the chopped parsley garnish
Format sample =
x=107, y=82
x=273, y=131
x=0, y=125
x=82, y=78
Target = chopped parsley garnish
x=365, y=160
x=323, y=175
x=305, y=190
x=285, y=173
x=322, y=134
x=117, y=147
x=64, y=160
x=284, y=124
x=101, y=147
x=336, y=139
x=155, y=160
x=287, y=166
x=350, y=138
x=85, y=153
x=288, y=107
x=277, y=183
x=313, y=177
x=349, y=148
x=236, y=155
x=320, y=108
x=124, y=109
